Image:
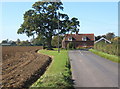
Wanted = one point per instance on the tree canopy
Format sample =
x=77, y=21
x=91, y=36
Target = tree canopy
x=43, y=20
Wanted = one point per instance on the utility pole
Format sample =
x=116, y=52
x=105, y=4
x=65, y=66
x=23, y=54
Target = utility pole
x=58, y=35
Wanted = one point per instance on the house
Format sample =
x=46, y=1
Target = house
x=103, y=39
x=79, y=40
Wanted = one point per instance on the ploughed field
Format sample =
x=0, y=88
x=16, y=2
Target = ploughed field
x=22, y=65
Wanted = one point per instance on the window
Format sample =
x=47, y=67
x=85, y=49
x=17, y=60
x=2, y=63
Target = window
x=70, y=39
x=84, y=38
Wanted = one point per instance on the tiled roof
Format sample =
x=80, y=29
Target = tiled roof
x=78, y=37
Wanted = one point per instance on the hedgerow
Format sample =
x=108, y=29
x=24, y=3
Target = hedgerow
x=108, y=48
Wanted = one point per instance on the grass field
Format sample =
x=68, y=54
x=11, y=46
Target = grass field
x=58, y=74
x=113, y=58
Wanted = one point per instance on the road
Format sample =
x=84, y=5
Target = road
x=90, y=70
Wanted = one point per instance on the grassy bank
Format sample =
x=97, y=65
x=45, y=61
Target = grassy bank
x=58, y=74
x=113, y=58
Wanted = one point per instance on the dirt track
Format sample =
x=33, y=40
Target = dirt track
x=22, y=68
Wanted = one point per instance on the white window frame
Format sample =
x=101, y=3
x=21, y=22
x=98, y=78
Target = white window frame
x=70, y=39
x=84, y=38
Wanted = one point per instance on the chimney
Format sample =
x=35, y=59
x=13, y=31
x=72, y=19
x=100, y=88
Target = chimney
x=76, y=32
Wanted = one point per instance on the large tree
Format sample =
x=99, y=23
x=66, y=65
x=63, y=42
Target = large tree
x=43, y=20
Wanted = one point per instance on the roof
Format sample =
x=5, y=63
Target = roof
x=78, y=37
x=102, y=39
x=5, y=44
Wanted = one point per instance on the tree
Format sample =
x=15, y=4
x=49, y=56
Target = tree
x=13, y=43
x=55, y=41
x=43, y=20
x=18, y=41
x=5, y=41
x=110, y=35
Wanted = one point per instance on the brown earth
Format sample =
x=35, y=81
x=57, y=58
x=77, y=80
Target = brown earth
x=22, y=66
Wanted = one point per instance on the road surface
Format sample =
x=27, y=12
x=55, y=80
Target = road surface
x=90, y=70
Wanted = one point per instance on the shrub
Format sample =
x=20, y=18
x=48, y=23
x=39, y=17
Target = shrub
x=70, y=45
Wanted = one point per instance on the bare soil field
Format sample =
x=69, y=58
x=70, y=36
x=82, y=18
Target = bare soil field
x=22, y=66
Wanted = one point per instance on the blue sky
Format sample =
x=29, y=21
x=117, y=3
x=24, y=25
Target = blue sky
x=95, y=17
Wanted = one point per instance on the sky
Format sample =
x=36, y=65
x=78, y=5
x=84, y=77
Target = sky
x=95, y=17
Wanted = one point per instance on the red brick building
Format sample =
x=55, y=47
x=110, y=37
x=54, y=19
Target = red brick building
x=79, y=40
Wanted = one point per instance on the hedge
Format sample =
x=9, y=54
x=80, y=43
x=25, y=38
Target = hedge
x=108, y=48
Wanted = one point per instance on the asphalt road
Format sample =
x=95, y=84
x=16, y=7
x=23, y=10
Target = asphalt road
x=90, y=70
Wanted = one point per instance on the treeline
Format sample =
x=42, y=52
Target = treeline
x=38, y=41
x=109, y=48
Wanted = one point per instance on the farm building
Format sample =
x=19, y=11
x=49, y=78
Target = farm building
x=79, y=40
x=103, y=40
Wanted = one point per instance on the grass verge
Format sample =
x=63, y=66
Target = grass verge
x=113, y=58
x=58, y=74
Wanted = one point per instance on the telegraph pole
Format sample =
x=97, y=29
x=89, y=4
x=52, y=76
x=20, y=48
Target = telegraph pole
x=58, y=35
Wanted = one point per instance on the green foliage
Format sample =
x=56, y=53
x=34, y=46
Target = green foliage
x=70, y=45
x=18, y=41
x=58, y=75
x=55, y=41
x=110, y=35
x=24, y=43
x=105, y=55
x=107, y=48
x=43, y=19
x=115, y=40
x=13, y=43
x=83, y=48
x=5, y=41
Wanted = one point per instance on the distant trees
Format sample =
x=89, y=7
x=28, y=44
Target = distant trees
x=18, y=41
x=116, y=40
x=5, y=41
x=15, y=43
x=108, y=36
x=24, y=43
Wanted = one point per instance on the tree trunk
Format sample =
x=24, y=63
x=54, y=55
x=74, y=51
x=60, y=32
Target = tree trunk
x=49, y=42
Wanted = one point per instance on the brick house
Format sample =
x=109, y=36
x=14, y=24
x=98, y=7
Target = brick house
x=79, y=40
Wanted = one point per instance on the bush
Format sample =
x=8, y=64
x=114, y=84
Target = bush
x=70, y=45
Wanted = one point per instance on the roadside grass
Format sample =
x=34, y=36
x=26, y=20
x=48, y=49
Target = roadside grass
x=58, y=75
x=113, y=58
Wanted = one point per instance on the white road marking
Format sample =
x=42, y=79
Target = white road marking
x=81, y=53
